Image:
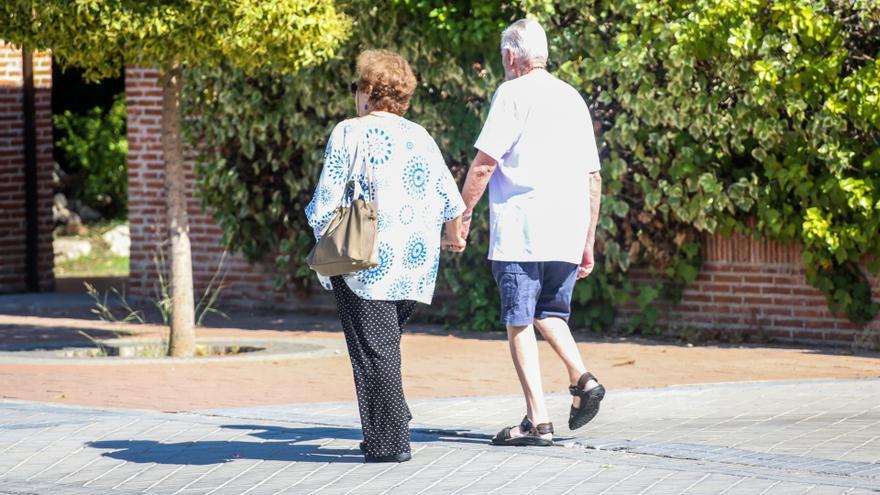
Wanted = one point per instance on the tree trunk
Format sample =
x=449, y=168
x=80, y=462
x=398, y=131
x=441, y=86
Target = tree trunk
x=183, y=336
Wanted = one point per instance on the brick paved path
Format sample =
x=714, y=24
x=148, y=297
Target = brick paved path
x=813, y=437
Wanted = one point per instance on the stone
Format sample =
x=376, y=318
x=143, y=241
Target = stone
x=71, y=249
x=118, y=239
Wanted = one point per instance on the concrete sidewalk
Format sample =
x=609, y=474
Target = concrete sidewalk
x=812, y=437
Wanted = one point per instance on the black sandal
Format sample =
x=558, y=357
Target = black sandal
x=530, y=439
x=590, y=399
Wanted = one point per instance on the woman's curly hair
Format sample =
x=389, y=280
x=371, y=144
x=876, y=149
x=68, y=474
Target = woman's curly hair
x=387, y=79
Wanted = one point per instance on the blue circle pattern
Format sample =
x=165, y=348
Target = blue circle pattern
x=400, y=289
x=323, y=221
x=428, y=281
x=383, y=223
x=416, y=177
x=416, y=252
x=336, y=163
x=378, y=146
x=325, y=196
x=442, y=193
x=378, y=272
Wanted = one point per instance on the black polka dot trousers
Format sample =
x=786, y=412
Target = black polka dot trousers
x=372, y=333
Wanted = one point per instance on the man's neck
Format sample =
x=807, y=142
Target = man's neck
x=532, y=68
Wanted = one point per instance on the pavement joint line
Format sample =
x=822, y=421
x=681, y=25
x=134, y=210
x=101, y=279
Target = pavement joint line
x=413, y=475
x=266, y=479
x=237, y=476
x=206, y=473
x=380, y=473
x=757, y=471
x=603, y=492
x=8, y=447
x=732, y=486
x=597, y=473
x=520, y=475
x=695, y=483
x=697, y=453
x=771, y=487
x=486, y=474
x=334, y=480
x=172, y=454
x=550, y=479
x=809, y=431
x=322, y=466
x=150, y=465
x=156, y=483
x=25, y=460
x=105, y=473
x=447, y=475
x=652, y=485
x=80, y=449
x=814, y=447
x=307, y=476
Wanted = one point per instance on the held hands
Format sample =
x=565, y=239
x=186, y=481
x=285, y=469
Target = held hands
x=453, y=240
x=456, y=244
x=466, y=224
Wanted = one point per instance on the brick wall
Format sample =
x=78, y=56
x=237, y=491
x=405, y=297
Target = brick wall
x=12, y=195
x=247, y=285
x=757, y=289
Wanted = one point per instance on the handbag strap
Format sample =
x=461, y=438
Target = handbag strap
x=353, y=184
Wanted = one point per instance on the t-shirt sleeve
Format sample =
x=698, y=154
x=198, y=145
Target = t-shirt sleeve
x=502, y=128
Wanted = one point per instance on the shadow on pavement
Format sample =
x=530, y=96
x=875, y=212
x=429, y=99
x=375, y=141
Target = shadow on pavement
x=280, y=444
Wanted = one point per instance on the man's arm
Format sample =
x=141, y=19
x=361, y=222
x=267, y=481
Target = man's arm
x=587, y=260
x=478, y=176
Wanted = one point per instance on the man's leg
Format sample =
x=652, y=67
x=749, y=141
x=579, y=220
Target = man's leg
x=519, y=284
x=524, y=351
x=557, y=333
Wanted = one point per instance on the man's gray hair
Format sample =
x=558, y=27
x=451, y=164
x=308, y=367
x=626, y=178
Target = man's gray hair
x=527, y=41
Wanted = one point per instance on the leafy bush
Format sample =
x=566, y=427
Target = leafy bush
x=754, y=116
x=718, y=112
x=96, y=146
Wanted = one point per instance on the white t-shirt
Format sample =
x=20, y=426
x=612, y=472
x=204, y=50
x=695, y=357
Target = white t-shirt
x=540, y=132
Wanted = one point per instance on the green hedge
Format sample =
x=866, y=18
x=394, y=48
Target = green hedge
x=713, y=114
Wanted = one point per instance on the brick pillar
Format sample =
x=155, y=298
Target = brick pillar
x=13, y=225
x=246, y=285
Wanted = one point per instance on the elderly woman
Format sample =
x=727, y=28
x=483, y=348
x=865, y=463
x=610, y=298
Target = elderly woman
x=400, y=168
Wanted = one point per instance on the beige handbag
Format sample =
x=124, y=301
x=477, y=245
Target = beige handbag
x=348, y=243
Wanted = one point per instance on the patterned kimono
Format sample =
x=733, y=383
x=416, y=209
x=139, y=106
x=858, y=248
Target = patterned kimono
x=399, y=166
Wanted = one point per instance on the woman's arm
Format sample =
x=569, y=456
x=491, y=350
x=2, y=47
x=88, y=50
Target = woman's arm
x=331, y=184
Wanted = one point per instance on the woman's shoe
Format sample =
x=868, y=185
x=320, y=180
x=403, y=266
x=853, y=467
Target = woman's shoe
x=401, y=457
x=590, y=399
x=531, y=438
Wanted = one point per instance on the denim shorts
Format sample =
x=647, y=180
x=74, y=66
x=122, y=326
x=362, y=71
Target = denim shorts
x=534, y=290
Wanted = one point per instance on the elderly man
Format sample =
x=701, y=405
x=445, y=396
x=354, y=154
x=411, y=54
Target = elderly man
x=537, y=153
